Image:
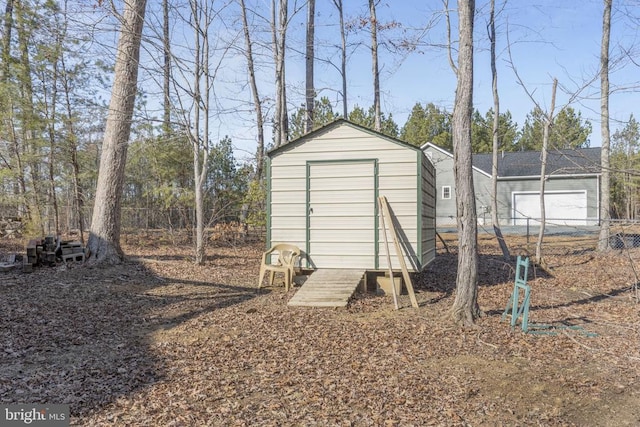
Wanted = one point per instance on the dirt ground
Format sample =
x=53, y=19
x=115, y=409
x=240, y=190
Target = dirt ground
x=159, y=341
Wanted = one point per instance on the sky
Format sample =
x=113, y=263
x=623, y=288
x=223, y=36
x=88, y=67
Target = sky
x=547, y=38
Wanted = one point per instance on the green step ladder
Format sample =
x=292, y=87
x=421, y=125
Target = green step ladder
x=514, y=305
x=518, y=308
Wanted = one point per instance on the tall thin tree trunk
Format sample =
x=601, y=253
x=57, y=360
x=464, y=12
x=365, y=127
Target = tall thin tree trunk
x=465, y=308
x=278, y=35
x=52, y=118
x=19, y=167
x=343, y=58
x=166, y=43
x=6, y=41
x=377, y=123
x=201, y=103
x=277, y=76
x=29, y=120
x=546, y=131
x=72, y=141
x=309, y=60
x=496, y=118
x=605, y=177
x=104, y=236
x=257, y=104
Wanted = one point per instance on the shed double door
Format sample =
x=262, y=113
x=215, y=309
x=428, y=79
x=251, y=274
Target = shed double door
x=341, y=214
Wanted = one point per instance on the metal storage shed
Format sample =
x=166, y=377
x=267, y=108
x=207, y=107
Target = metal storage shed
x=323, y=190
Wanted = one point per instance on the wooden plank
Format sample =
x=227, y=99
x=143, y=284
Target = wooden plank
x=386, y=246
x=399, y=252
x=328, y=288
x=503, y=245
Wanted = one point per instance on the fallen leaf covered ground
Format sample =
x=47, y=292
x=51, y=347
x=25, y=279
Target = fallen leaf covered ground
x=159, y=341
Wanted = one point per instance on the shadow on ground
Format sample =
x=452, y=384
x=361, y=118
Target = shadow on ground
x=77, y=335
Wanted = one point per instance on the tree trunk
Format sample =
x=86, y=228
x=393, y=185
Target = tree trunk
x=200, y=139
x=166, y=42
x=310, y=89
x=605, y=177
x=377, y=119
x=30, y=121
x=465, y=308
x=257, y=102
x=6, y=42
x=278, y=34
x=72, y=140
x=257, y=105
x=543, y=171
x=51, y=119
x=104, y=236
x=343, y=58
x=496, y=118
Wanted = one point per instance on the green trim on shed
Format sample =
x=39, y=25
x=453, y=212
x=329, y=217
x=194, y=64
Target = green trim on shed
x=292, y=144
x=419, y=207
x=268, y=222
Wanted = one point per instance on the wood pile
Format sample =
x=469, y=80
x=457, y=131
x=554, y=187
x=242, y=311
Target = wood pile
x=11, y=227
x=50, y=250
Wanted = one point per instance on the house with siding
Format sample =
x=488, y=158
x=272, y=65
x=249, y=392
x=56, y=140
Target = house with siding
x=323, y=191
x=572, y=187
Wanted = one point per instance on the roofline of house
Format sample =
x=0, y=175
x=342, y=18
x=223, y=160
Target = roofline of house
x=553, y=176
x=507, y=178
x=443, y=151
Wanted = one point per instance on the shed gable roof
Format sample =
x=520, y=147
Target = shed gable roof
x=333, y=125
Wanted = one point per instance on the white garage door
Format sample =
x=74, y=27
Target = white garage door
x=561, y=208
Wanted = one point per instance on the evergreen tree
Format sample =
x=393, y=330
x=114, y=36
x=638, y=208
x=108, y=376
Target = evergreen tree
x=482, y=130
x=481, y=133
x=569, y=130
x=531, y=135
x=625, y=161
x=322, y=114
x=367, y=119
x=227, y=182
x=428, y=124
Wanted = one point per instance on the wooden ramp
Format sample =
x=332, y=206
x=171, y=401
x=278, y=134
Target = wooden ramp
x=328, y=288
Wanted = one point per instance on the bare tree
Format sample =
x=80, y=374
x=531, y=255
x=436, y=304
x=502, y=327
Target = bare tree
x=72, y=141
x=257, y=103
x=465, y=308
x=496, y=117
x=377, y=118
x=605, y=180
x=547, y=119
x=50, y=112
x=104, y=237
x=546, y=131
x=196, y=102
x=278, y=36
x=309, y=60
x=166, y=82
x=343, y=57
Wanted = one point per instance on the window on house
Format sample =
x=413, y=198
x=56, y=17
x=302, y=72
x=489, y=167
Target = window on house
x=446, y=192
